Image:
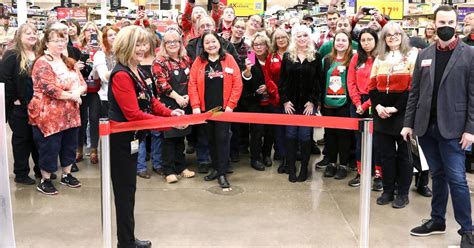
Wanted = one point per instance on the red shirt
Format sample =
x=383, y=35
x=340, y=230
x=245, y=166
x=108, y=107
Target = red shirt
x=272, y=74
x=358, y=81
x=123, y=88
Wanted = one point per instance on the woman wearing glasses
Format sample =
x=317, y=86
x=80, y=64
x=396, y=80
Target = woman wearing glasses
x=54, y=110
x=171, y=73
x=430, y=33
x=388, y=90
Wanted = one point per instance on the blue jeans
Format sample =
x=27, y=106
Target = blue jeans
x=202, y=145
x=446, y=161
x=155, y=152
x=299, y=133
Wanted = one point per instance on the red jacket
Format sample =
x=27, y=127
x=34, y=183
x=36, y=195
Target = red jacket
x=358, y=81
x=272, y=76
x=232, y=83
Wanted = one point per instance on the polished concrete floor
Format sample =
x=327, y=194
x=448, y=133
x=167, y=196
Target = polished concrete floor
x=262, y=210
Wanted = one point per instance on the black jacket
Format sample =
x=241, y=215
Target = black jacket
x=300, y=82
x=16, y=83
x=194, y=48
x=249, y=99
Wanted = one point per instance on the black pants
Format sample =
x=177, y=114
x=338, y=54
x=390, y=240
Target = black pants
x=172, y=155
x=395, y=166
x=338, y=141
x=90, y=112
x=259, y=147
x=104, y=109
x=218, y=134
x=123, y=168
x=22, y=142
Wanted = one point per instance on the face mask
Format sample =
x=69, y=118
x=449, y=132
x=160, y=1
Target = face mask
x=445, y=33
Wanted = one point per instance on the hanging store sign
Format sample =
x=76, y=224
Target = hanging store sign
x=79, y=14
x=246, y=7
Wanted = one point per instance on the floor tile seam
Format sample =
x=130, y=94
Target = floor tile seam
x=344, y=217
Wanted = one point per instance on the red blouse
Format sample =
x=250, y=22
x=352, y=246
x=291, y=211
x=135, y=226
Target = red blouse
x=46, y=111
x=358, y=81
x=162, y=69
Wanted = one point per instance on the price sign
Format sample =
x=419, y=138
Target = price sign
x=392, y=8
x=246, y=7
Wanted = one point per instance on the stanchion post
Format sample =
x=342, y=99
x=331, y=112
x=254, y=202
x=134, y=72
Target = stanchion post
x=366, y=175
x=105, y=186
x=7, y=235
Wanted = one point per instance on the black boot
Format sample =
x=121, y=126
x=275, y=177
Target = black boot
x=291, y=147
x=305, y=155
x=282, y=168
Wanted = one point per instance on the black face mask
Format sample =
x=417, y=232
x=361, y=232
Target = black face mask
x=445, y=33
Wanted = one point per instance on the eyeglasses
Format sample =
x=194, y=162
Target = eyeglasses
x=395, y=35
x=58, y=41
x=208, y=25
x=255, y=21
x=340, y=25
x=239, y=27
x=259, y=44
x=281, y=38
x=172, y=42
x=90, y=30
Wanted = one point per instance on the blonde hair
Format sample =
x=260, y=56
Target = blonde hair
x=274, y=42
x=293, y=48
x=20, y=48
x=382, y=47
x=163, y=52
x=125, y=42
x=261, y=37
x=82, y=36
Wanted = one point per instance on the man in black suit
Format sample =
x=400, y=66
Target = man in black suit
x=440, y=111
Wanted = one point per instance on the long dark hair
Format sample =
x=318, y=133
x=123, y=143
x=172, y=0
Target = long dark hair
x=362, y=54
x=204, y=55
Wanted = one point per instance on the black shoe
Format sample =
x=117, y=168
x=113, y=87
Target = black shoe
x=267, y=161
x=74, y=167
x=429, y=227
x=234, y=157
x=140, y=244
x=26, y=180
x=330, y=170
x=46, y=187
x=303, y=174
x=467, y=241
x=315, y=149
x=355, y=182
x=378, y=184
x=203, y=168
x=341, y=172
x=230, y=169
x=70, y=181
x=282, y=168
x=323, y=163
x=424, y=191
x=257, y=165
x=212, y=176
x=222, y=180
x=385, y=199
x=400, y=201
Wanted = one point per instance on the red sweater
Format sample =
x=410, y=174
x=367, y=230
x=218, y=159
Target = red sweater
x=123, y=89
x=232, y=83
x=272, y=76
x=358, y=81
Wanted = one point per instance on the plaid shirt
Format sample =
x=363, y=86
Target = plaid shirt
x=450, y=47
x=324, y=37
x=241, y=49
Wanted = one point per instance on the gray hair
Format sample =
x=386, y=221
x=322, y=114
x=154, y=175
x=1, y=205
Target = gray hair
x=382, y=47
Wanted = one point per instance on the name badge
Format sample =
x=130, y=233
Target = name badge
x=341, y=68
x=229, y=70
x=399, y=67
x=176, y=72
x=275, y=60
x=134, y=146
x=426, y=62
x=186, y=71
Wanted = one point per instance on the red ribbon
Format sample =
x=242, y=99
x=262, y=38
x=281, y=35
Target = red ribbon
x=254, y=118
